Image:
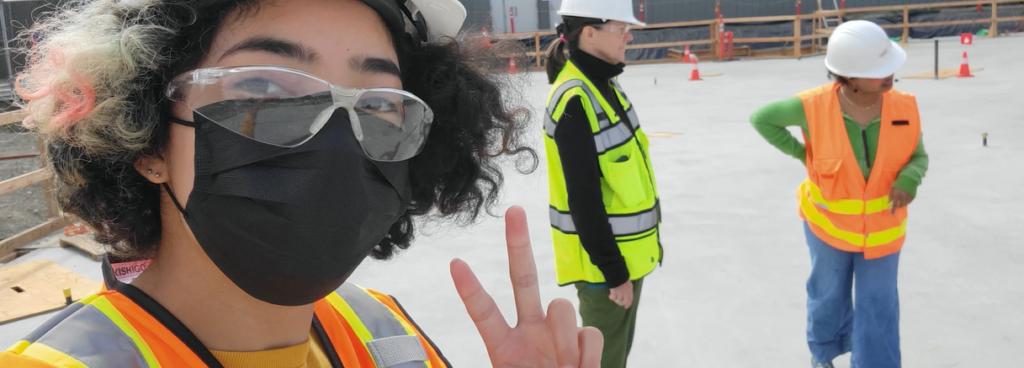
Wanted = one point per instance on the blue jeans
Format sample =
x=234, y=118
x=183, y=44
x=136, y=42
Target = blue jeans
x=868, y=326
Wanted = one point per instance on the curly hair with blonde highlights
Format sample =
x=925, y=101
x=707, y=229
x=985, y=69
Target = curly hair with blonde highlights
x=94, y=86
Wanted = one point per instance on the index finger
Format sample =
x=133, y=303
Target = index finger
x=893, y=201
x=522, y=268
x=480, y=306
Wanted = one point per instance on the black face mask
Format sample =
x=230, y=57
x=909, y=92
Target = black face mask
x=289, y=225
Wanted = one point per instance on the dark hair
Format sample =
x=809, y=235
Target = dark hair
x=842, y=80
x=92, y=151
x=838, y=78
x=571, y=29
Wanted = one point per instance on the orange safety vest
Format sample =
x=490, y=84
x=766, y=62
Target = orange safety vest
x=841, y=208
x=123, y=327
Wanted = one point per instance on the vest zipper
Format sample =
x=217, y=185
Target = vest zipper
x=625, y=117
x=650, y=180
x=636, y=140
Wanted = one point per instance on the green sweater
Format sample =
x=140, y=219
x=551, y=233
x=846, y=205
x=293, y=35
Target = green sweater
x=771, y=121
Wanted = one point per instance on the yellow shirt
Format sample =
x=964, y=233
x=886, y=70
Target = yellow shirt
x=309, y=354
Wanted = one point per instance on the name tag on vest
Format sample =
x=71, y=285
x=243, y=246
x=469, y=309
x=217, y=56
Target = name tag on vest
x=900, y=122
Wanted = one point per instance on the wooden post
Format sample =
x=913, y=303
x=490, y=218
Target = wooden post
x=51, y=202
x=814, y=31
x=536, y=42
x=906, y=24
x=714, y=38
x=796, y=37
x=994, y=29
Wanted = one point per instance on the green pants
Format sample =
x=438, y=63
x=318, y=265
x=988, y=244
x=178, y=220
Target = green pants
x=616, y=323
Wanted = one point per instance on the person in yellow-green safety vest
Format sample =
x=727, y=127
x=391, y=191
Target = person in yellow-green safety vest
x=865, y=159
x=256, y=152
x=604, y=207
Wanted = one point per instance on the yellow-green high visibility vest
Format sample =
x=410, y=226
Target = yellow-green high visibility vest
x=628, y=188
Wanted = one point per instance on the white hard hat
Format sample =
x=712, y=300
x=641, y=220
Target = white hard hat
x=861, y=49
x=430, y=19
x=620, y=10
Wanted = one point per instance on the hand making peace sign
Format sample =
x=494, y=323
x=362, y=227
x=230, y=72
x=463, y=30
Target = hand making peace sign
x=537, y=340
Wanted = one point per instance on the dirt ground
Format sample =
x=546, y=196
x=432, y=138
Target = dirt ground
x=26, y=207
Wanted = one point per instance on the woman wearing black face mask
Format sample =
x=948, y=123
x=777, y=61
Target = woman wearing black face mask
x=257, y=152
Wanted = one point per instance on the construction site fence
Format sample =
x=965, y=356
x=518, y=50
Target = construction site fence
x=9, y=247
x=707, y=39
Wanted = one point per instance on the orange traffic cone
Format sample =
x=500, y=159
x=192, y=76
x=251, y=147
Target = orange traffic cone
x=965, y=70
x=686, y=54
x=695, y=74
x=487, y=37
x=512, y=66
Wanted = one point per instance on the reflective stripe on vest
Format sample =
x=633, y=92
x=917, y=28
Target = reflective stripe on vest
x=872, y=239
x=610, y=136
x=90, y=333
x=621, y=225
x=615, y=136
x=387, y=339
x=93, y=333
x=602, y=118
x=848, y=206
x=630, y=111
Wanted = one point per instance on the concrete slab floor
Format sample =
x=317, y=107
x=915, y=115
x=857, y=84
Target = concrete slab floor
x=731, y=291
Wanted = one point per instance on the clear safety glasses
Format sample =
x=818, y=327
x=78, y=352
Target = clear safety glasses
x=618, y=30
x=286, y=107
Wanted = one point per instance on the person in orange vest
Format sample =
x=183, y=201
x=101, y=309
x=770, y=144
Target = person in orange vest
x=865, y=160
x=255, y=153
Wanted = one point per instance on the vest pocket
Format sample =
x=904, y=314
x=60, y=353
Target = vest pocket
x=826, y=171
x=625, y=176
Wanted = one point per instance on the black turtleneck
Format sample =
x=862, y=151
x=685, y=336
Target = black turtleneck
x=578, y=153
x=600, y=72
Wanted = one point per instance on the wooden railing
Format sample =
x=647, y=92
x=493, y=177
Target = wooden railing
x=797, y=39
x=993, y=21
x=55, y=219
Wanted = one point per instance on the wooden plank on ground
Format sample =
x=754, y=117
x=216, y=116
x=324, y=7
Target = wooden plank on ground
x=943, y=73
x=37, y=287
x=707, y=54
x=9, y=245
x=12, y=117
x=86, y=244
x=22, y=181
x=663, y=135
